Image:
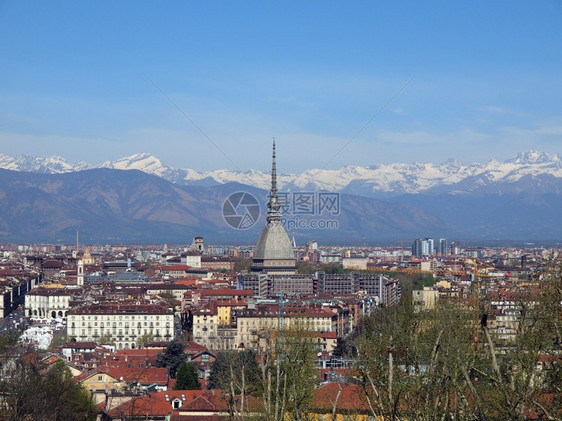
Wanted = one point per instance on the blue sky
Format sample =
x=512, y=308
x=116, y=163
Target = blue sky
x=487, y=81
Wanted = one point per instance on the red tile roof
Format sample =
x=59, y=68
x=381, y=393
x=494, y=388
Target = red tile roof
x=351, y=398
x=144, y=376
x=160, y=403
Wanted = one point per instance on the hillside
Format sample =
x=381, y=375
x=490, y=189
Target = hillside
x=108, y=205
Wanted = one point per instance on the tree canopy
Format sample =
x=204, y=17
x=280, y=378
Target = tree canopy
x=229, y=365
x=186, y=377
x=172, y=357
x=30, y=394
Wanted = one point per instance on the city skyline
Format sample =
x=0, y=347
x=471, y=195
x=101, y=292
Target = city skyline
x=471, y=82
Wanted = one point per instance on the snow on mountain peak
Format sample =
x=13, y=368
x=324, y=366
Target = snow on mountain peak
x=533, y=156
x=395, y=178
x=140, y=161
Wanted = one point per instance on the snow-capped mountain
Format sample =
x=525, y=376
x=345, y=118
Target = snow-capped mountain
x=451, y=176
x=46, y=165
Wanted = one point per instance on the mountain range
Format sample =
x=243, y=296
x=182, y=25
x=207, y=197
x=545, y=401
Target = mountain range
x=139, y=199
x=116, y=206
x=376, y=181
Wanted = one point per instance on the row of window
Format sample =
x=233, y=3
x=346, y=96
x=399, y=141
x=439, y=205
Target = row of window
x=139, y=324
x=120, y=332
x=89, y=317
x=269, y=322
x=121, y=345
x=318, y=328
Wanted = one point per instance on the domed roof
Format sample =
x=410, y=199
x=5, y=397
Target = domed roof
x=274, y=243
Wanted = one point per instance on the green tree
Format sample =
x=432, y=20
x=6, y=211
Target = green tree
x=145, y=338
x=9, y=343
x=288, y=374
x=514, y=384
x=333, y=268
x=186, y=377
x=297, y=354
x=414, y=365
x=106, y=339
x=238, y=373
x=426, y=281
x=30, y=394
x=344, y=348
x=244, y=361
x=219, y=377
x=59, y=339
x=307, y=267
x=172, y=357
x=241, y=264
x=447, y=363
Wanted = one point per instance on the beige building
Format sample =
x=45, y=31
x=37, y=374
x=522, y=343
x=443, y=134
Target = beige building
x=88, y=259
x=125, y=323
x=205, y=323
x=425, y=299
x=216, y=263
x=253, y=323
x=177, y=290
x=355, y=263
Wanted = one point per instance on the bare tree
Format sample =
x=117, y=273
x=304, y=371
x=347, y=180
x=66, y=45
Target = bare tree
x=288, y=372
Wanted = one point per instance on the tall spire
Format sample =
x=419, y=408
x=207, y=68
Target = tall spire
x=274, y=173
x=273, y=207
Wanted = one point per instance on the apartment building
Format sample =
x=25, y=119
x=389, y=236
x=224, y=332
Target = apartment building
x=254, y=322
x=124, y=323
x=49, y=302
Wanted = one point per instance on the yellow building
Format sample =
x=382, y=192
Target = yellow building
x=223, y=314
x=99, y=383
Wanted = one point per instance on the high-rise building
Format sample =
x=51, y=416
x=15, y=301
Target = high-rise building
x=454, y=248
x=423, y=247
x=443, y=248
x=417, y=248
x=429, y=246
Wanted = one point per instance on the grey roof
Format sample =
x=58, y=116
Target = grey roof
x=274, y=243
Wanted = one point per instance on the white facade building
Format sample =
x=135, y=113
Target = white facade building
x=191, y=259
x=47, y=302
x=125, y=323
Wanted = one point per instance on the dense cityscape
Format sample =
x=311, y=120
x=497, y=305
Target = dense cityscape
x=280, y=211
x=214, y=331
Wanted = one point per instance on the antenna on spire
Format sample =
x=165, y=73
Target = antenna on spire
x=274, y=171
x=273, y=207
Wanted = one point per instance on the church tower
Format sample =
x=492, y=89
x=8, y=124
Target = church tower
x=274, y=253
x=80, y=273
